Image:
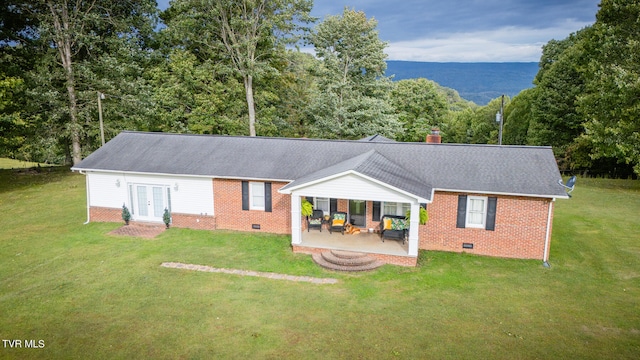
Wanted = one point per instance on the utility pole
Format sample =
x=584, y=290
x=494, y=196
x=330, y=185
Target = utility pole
x=100, y=97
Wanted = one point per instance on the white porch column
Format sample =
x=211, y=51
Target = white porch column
x=414, y=226
x=296, y=234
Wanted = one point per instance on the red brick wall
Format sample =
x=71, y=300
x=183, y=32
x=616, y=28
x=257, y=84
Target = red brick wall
x=520, y=230
x=343, y=205
x=103, y=214
x=200, y=222
x=227, y=195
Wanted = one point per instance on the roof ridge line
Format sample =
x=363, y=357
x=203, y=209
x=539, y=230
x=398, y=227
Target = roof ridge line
x=381, y=143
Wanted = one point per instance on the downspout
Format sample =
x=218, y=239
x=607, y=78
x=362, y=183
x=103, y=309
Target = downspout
x=547, y=239
x=88, y=207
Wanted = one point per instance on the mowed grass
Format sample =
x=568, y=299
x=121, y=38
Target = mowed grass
x=6, y=163
x=87, y=294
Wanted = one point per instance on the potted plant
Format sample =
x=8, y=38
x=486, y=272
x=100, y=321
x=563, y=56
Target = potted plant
x=307, y=208
x=166, y=217
x=424, y=216
x=126, y=215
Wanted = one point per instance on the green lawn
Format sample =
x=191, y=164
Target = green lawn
x=6, y=163
x=90, y=295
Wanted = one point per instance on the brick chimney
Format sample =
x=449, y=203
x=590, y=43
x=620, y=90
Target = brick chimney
x=434, y=137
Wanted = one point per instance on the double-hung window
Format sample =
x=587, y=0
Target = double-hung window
x=476, y=211
x=393, y=208
x=322, y=204
x=256, y=194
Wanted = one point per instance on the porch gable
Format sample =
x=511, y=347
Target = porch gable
x=353, y=185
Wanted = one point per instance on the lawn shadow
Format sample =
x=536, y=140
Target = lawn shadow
x=16, y=179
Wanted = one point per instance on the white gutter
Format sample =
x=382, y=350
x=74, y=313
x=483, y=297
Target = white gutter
x=547, y=238
x=179, y=175
x=86, y=177
x=554, y=197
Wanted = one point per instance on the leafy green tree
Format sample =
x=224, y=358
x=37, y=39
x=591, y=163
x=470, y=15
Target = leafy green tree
x=420, y=106
x=191, y=96
x=548, y=114
x=611, y=101
x=352, y=98
x=473, y=125
x=245, y=34
x=586, y=100
x=484, y=127
x=78, y=47
x=454, y=101
x=518, y=117
x=12, y=125
x=292, y=92
x=456, y=127
x=555, y=120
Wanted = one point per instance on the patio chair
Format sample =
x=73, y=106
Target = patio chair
x=315, y=220
x=393, y=227
x=338, y=222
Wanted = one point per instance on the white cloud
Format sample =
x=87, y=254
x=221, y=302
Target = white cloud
x=499, y=45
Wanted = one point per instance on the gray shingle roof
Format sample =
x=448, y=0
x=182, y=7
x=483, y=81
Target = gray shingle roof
x=376, y=138
x=519, y=170
x=375, y=166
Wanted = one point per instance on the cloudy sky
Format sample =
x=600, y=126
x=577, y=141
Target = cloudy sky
x=467, y=30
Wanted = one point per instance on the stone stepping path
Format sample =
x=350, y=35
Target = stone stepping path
x=268, y=275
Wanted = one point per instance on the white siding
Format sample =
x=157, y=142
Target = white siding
x=104, y=192
x=193, y=195
x=351, y=186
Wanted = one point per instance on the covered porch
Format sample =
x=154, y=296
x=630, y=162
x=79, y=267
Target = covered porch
x=366, y=180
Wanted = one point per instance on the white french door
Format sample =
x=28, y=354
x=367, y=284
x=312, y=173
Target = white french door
x=149, y=201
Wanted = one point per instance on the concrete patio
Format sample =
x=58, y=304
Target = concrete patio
x=363, y=242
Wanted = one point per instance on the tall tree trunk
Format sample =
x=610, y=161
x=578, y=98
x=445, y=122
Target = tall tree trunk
x=248, y=86
x=74, y=128
x=61, y=23
x=76, y=153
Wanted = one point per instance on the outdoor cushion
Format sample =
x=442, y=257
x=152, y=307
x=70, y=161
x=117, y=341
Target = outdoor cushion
x=338, y=222
x=387, y=224
x=398, y=224
x=315, y=221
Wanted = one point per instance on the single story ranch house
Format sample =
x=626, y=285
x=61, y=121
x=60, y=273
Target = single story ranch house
x=482, y=199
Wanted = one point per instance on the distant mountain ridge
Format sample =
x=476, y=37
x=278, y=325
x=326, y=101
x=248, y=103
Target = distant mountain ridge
x=478, y=82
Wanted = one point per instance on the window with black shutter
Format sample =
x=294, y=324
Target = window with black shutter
x=256, y=196
x=491, y=213
x=267, y=197
x=476, y=212
x=245, y=195
x=462, y=211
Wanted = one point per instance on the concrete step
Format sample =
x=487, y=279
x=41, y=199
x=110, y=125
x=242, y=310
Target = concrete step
x=357, y=262
x=348, y=254
x=347, y=261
